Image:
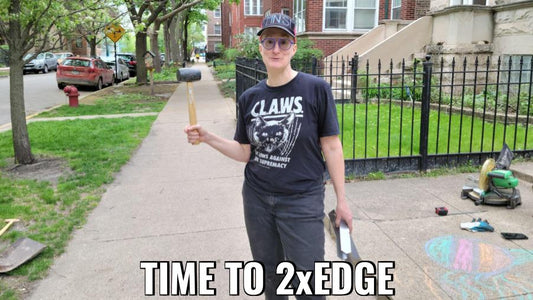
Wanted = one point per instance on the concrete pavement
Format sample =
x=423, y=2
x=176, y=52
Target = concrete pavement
x=177, y=202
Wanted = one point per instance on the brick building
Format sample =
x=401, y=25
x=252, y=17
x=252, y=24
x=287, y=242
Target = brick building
x=214, y=30
x=331, y=24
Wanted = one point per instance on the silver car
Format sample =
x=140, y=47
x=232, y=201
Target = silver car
x=43, y=62
x=123, y=70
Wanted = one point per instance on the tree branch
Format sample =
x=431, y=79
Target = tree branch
x=179, y=9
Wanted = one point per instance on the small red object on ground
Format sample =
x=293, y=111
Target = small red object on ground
x=441, y=211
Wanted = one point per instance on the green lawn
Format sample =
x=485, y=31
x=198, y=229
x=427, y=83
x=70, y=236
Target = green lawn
x=91, y=150
x=366, y=137
x=113, y=104
x=94, y=150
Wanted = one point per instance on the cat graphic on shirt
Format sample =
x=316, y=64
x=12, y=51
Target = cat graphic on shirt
x=270, y=135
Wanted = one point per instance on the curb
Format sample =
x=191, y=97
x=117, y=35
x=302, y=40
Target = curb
x=7, y=126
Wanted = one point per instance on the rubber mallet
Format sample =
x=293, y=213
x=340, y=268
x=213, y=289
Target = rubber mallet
x=189, y=75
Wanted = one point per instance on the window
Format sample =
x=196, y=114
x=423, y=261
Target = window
x=217, y=13
x=299, y=14
x=336, y=14
x=253, y=7
x=79, y=42
x=468, y=2
x=365, y=14
x=350, y=14
x=218, y=29
x=251, y=31
x=286, y=11
x=511, y=65
x=396, y=8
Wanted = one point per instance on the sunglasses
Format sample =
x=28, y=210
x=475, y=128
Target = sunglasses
x=283, y=43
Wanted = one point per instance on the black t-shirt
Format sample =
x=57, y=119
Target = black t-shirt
x=284, y=125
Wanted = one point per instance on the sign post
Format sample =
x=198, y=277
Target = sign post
x=114, y=32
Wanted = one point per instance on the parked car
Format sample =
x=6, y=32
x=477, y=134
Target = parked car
x=123, y=70
x=131, y=60
x=62, y=55
x=84, y=71
x=42, y=62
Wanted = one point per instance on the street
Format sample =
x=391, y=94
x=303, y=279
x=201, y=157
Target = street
x=40, y=92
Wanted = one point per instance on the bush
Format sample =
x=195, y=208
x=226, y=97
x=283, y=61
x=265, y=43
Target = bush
x=248, y=46
x=306, y=50
x=231, y=54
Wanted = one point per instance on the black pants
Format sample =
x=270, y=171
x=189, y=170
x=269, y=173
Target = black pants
x=285, y=228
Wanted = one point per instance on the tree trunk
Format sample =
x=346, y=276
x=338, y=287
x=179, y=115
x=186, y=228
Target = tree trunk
x=185, y=38
x=166, y=38
x=21, y=140
x=92, y=44
x=175, y=33
x=154, y=46
x=140, y=50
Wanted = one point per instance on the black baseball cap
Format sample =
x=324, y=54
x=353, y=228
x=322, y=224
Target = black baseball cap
x=280, y=21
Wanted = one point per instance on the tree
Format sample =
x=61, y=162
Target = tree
x=142, y=15
x=26, y=26
x=93, y=23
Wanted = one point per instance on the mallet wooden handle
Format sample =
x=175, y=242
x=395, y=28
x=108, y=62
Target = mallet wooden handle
x=192, y=107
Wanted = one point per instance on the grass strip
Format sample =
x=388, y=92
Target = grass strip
x=94, y=150
x=112, y=104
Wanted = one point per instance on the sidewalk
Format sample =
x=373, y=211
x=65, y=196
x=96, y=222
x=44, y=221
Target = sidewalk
x=177, y=202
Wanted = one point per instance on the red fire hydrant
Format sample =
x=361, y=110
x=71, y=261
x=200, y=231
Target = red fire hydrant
x=72, y=94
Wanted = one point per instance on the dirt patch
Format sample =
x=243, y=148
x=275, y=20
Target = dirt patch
x=20, y=284
x=43, y=169
x=160, y=90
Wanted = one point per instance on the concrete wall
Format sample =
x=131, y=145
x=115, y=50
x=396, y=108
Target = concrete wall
x=513, y=28
x=462, y=25
x=407, y=43
x=375, y=36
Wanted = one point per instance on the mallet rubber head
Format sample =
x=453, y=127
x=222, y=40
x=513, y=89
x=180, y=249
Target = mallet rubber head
x=189, y=74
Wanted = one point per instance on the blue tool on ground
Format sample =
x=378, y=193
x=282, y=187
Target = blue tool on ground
x=477, y=225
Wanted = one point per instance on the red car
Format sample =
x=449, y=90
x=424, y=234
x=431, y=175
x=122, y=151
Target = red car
x=84, y=71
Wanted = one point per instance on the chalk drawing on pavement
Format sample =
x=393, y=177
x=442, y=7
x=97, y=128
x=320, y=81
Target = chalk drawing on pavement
x=476, y=269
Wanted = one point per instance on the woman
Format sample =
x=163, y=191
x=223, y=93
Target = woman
x=287, y=124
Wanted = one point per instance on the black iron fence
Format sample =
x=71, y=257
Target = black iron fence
x=400, y=116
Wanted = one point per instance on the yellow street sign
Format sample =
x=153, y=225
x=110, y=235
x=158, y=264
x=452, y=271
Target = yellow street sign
x=114, y=32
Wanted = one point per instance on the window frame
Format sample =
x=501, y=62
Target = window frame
x=350, y=14
x=392, y=7
x=299, y=12
x=465, y=2
x=257, y=5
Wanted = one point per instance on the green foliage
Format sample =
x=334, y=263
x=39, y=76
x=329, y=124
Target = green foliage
x=306, y=50
x=166, y=74
x=248, y=46
x=398, y=132
x=225, y=70
x=231, y=54
x=489, y=99
x=113, y=104
x=94, y=150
